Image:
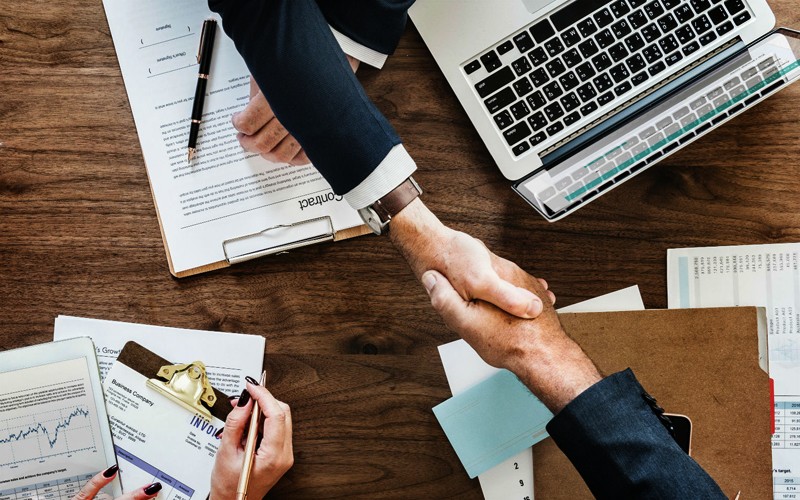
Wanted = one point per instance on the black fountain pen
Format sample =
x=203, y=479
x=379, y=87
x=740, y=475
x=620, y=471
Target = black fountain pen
x=204, y=59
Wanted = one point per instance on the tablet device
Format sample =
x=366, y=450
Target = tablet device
x=54, y=431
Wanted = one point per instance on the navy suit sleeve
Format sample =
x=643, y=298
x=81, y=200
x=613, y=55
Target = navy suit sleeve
x=621, y=449
x=377, y=24
x=293, y=56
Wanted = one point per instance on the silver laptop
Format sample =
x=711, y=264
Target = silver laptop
x=573, y=97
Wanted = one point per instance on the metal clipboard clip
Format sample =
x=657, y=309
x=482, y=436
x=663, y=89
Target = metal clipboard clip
x=278, y=239
x=186, y=384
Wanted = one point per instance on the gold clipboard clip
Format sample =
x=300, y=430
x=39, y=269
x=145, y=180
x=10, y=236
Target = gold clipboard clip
x=186, y=384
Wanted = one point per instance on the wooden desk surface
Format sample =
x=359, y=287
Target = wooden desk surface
x=351, y=339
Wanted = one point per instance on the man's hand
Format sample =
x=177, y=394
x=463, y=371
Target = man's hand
x=261, y=132
x=273, y=457
x=538, y=350
x=473, y=270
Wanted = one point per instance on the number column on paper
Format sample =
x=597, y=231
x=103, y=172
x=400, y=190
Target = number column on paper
x=787, y=425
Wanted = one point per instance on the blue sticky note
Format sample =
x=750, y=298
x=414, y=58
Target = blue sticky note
x=492, y=421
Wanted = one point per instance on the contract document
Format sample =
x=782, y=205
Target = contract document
x=214, y=210
x=755, y=275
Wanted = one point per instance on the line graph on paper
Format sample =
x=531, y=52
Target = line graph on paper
x=46, y=434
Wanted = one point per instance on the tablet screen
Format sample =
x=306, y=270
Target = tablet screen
x=52, y=436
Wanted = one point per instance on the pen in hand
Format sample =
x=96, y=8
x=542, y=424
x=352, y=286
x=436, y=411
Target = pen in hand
x=204, y=60
x=250, y=445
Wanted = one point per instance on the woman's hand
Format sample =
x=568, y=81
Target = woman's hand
x=274, y=455
x=92, y=488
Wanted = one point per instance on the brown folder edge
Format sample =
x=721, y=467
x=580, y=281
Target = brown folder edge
x=147, y=363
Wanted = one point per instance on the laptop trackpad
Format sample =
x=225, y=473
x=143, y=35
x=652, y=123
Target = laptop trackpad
x=535, y=5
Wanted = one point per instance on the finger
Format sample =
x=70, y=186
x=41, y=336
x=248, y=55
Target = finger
x=489, y=287
x=284, y=151
x=253, y=88
x=143, y=493
x=287, y=441
x=254, y=116
x=552, y=297
x=543, y=283
x=264, y=140
x=453, y=309
x=276, y=424
x=97, y=483
x=300, y=159
x=236, y=423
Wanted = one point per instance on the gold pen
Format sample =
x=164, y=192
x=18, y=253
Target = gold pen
x=250, y=446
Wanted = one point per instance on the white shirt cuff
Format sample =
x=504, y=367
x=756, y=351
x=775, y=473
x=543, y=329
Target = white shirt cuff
x=395, y=168
x=360, y=52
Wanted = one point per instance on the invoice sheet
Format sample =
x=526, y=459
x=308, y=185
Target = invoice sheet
x=755, y=275
x=464, y=368
x=225, y=193
x=228, y=357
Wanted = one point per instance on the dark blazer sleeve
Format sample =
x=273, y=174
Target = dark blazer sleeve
x=617, y=443
x=377, y=24
x=293, y=56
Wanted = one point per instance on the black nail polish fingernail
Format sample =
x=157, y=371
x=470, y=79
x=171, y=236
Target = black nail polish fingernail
x=111, y=471
x=243, y=399
x=152, y=489
x=218, y=434
x=251, y=380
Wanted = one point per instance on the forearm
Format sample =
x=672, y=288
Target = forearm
x=414, y=232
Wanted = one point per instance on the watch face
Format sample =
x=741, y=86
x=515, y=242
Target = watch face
x=371, y=219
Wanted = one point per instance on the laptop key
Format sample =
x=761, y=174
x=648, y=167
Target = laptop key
x=517, y=133
x=667, y=23
x=588, y=48
x=555, y=67
x=619, y=73
x=542, y=30
x=601, y=62
x=537, y=121
x=707, y=38
x=569, y=81
x=588, y=108
x=656, y=68
x=634, y=43
x=563, y=183
x=619, y=8
x=505, y=47
x=635, y=63
x=554, y=46
x=490, y=61
x=539, y=77
x=671, y=4
x=637, y=19
x=587, y=27
x=536, y=100
x=741, y=18
x=724, y=28
x=536, y=139
x=731, y=83
x=603, y=18
x=685, y=34
x=603, y=82
x=520, y=148
x=683, y=14
x=554, y=111
x=766, y=63
x=622, y=88
x=715, y=93
x=617, y=52
x=717, y=14
x=494, y=82
x=570, y=102
x=639, y=79
x=581, y=172
x=572, y=57
x=663, y=123
x=605, y=98
x=654, y=9
x=652, y=54
x=547, y=194
x=552, y=90
x=499, y=100
x=734, y=6
x=571, y=37
x=472, y=67
x=520, y=110
x=650, y=33
x=586, y=92
x=636, y=3
x=537, y=56
x=604, y=39
x=648, y=132
x=674, y=58
x=523, y=42
x=702, y=24
x=585, y=71
x=571, y=118
x=503, y=120
x=697, y=103
x=668, y=44
x=554, y=129
x=680, y=113
x=521, y=66
x=621, y=29
x=523, y=87
x=690, y=49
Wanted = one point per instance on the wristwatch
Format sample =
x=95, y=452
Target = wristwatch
x=378, y=215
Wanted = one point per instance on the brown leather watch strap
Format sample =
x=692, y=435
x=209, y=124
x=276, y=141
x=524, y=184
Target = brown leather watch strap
x=396, y=200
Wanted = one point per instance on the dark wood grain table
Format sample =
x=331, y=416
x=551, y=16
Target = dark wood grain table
x=351, y=338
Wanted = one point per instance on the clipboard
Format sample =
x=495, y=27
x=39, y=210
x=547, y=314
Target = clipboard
x=166, y=420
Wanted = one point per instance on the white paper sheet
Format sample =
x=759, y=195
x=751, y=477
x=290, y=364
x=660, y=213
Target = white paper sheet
x=225, y=193
x=464, y=368
x=755, y=275
x=228, y=357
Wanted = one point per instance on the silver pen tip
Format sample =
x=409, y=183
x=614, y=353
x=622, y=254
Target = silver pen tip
x=191, y=154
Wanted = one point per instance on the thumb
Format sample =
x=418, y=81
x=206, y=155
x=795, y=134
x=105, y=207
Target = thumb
x=512, y=299
x=445, y=299
x=236, y=423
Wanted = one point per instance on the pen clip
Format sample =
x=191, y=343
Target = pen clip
x=202, y=40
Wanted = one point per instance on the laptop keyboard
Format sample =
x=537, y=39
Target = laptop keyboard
x=589, y=55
